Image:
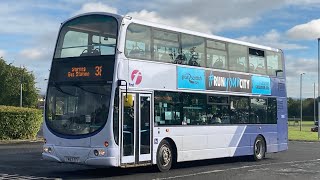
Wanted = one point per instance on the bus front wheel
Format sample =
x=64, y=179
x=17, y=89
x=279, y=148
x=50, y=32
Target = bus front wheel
x=164, y=156
x=259, y=148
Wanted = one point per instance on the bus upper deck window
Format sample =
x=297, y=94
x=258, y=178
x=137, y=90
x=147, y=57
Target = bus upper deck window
x=274, y=64
x=138, y=42
x=90, y=35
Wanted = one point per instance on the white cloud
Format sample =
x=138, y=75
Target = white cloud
x=96, y=7
x=217, y=15
x=2, y=53
x=28, y=25
x=33, y=53
x=191, y=23
x=303, y=2
x=232, y=24
x=294, y=67
x=301, y=65
x=274, y=39
x=307, y=31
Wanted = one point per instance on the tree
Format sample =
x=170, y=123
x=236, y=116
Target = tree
x=10, y=79
x=293, y=107
x=307, y=109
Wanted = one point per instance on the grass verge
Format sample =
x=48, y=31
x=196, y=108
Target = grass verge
x=305, y=134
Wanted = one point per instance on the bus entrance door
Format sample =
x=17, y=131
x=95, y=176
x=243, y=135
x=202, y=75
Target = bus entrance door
x=136, y=128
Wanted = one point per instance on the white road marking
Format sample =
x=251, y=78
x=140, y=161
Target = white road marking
x=17, y=176
x=243, y=167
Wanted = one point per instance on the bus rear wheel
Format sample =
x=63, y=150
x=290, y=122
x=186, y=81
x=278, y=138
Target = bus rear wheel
x=164, y=156
x=259, y=148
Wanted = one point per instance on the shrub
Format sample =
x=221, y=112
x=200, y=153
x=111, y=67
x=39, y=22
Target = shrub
x=19, y=123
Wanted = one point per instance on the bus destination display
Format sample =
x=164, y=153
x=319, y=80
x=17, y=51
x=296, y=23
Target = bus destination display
x=75, y=72
x=68, y=72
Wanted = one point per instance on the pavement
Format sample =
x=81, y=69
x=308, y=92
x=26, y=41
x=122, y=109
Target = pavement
x=301, y=161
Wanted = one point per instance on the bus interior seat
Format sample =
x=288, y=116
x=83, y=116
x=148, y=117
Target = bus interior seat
x=96, y=52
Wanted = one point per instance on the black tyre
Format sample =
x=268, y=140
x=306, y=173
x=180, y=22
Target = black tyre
x=164, y=156
x=259, y=148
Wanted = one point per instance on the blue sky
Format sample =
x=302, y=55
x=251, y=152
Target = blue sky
x=28, y=29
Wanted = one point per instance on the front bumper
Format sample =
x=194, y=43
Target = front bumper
x=82, y=155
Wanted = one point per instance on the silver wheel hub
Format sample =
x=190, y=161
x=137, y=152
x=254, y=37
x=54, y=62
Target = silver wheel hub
x=258, y=149
x=166, y=155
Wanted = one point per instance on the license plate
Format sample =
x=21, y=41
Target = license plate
x=72, y=159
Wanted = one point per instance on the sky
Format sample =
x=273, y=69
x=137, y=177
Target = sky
x=29, y=28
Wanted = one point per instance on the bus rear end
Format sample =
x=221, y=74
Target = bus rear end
x=78, y=102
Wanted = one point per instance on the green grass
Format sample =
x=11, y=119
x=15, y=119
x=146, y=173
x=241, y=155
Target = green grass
x=305, y=134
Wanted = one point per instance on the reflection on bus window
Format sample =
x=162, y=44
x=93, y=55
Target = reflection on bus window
x=218, y=109
x=167, y=109
x=104, y=44
x=239, y=109
x=216, y=59
x=77, y=110
x=258, y=112
x=166, y=46
x=272, y=110
x=216, y=55
x=274, y=63
x=257, y=61
x=173, y=108
x=138, y=42
x=237, y=57
x=194, y=109
x=193, y=49
x=73, y=39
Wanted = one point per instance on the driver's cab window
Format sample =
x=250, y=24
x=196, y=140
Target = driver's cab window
x=138, y=42
x=216, y=55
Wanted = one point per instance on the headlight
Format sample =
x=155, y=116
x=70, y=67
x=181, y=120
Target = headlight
x=47, y=150
x=99, y=152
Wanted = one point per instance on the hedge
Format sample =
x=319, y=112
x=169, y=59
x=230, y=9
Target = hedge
x=19, y=123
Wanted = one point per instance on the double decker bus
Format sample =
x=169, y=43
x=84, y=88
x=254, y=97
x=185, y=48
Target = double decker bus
x=125, y=92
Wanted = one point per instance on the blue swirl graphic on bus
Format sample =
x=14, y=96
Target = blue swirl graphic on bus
x=191, y=78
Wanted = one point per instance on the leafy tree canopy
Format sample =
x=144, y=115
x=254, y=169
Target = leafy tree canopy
x=10, y=79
